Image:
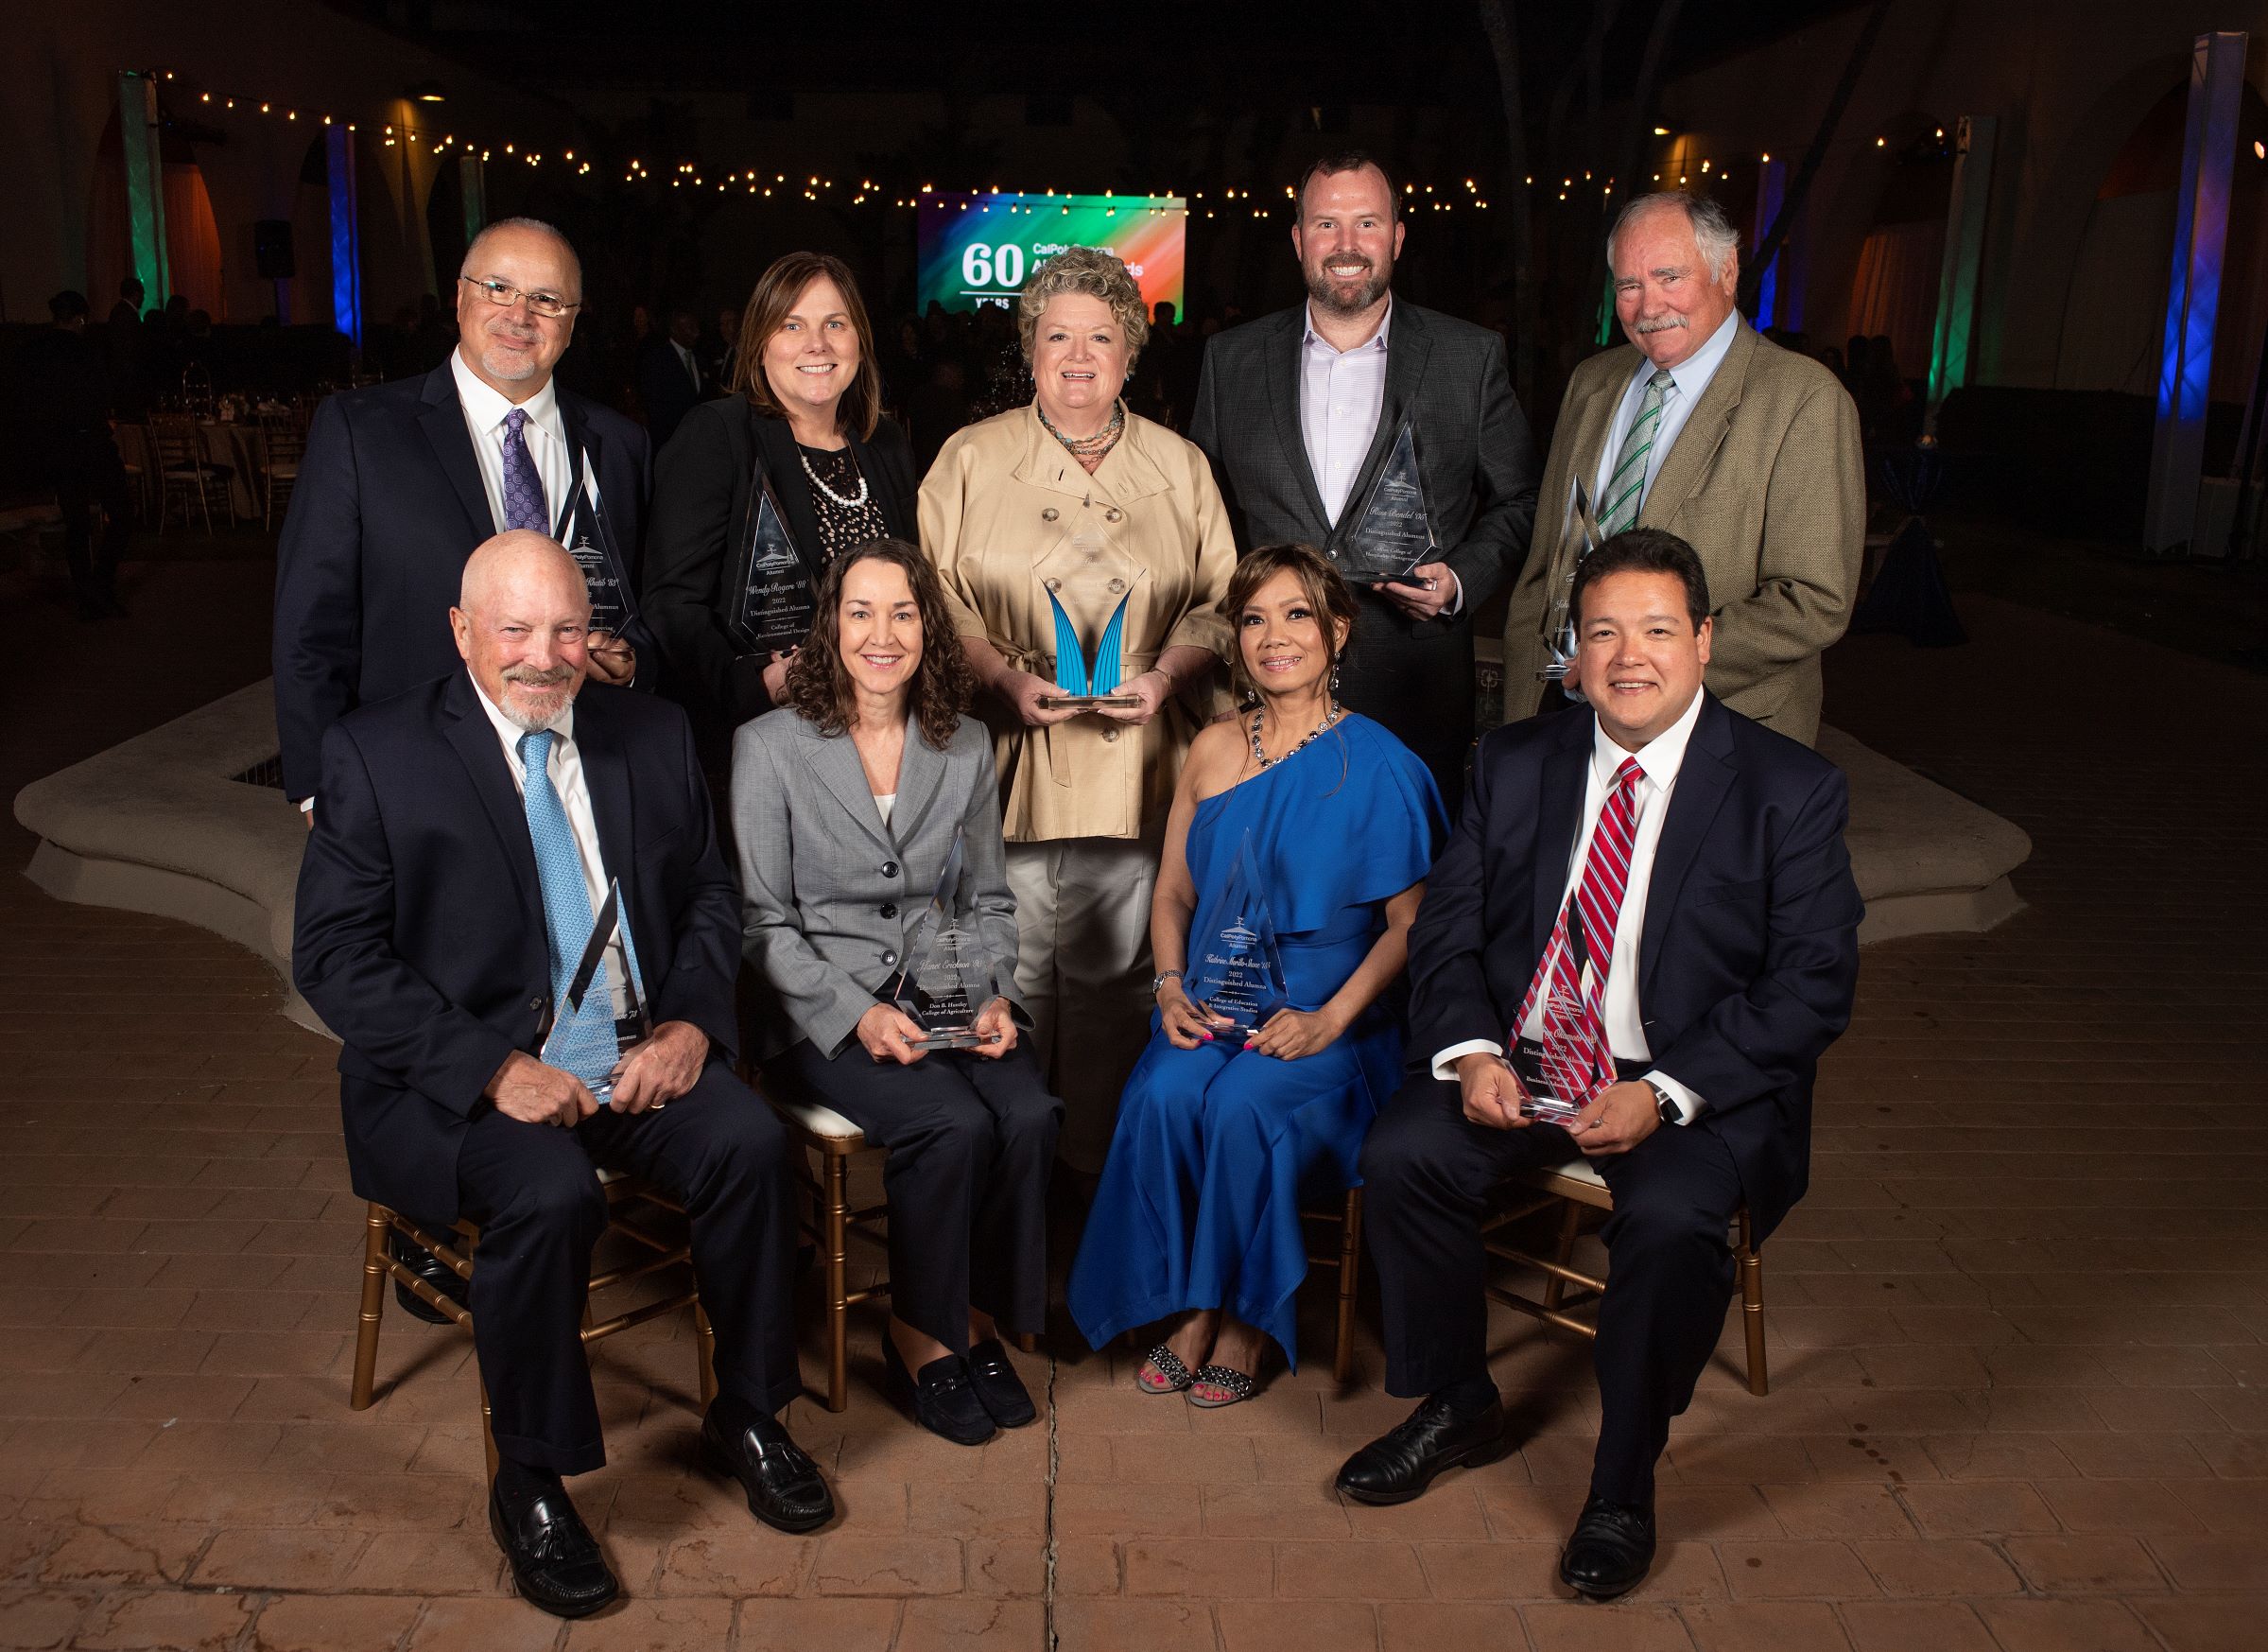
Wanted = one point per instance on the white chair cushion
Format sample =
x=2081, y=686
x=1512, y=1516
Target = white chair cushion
x=1578, y=1168
x=818, y=1119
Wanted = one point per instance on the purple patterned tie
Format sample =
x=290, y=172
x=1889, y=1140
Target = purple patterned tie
x=523, y=486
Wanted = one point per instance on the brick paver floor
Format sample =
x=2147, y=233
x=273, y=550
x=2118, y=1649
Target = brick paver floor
x=2018, y=1331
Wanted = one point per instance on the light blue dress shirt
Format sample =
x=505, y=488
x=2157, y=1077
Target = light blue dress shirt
x=1689, y=378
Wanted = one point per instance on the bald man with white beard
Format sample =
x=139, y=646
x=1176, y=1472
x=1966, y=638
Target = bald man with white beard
x=470, y=829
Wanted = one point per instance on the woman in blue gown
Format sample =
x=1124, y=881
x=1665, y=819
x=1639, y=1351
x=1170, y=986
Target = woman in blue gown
x=1196, y=1221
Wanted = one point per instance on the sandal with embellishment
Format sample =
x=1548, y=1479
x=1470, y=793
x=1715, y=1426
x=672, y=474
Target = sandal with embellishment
x=1173, y=1375
x=1238, y=1383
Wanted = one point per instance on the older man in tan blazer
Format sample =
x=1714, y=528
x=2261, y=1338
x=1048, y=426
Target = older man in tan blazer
x=1748, y=452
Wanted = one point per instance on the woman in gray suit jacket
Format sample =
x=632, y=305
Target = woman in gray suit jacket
x=847, y=803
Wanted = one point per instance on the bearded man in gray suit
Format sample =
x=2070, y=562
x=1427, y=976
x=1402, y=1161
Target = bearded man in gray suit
x=1301, y=413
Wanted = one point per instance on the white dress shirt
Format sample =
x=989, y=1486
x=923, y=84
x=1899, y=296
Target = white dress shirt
x=565, y=770
x=1688, y=379
x=1341, y=397
x=485, y=412
x=1341, y=393
x=1661, y=758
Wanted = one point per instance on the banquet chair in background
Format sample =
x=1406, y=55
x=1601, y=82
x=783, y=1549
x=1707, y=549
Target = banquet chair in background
x=186, y=478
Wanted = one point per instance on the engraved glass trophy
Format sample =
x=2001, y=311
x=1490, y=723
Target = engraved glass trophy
x=1582, y=526
x=1088, y=682
x=632, y=1025
x=1394, y=533
x=774, y=603
x=591, y=543
x=947, y=978
x=1236, y=971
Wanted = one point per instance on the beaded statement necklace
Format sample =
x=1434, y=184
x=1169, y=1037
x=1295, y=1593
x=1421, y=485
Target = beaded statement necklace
x=1089, y=450
x=817, y=481
x=1265, y=761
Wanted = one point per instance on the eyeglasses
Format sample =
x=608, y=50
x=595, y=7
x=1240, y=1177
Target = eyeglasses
x=548, y=305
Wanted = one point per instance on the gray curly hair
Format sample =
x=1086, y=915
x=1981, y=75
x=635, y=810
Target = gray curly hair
x=1095, y=273
x=1713, y=230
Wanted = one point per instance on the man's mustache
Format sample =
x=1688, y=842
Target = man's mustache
x=1661, y=323
x=533, y=678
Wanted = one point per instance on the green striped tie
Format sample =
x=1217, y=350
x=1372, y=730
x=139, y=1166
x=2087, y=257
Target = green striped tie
x=1627, y=486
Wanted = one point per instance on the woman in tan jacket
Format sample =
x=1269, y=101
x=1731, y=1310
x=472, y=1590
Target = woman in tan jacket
x=1072, y=525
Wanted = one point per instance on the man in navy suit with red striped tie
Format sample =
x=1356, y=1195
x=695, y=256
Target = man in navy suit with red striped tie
x=1634, y=950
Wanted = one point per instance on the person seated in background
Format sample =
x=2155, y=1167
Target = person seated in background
x=470, y=829
x=1197, y=1219
x=848, y=802
x=1642, y=938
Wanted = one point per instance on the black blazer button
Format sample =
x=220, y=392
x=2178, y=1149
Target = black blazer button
x=889, y=868
x=536, y=1004
x=890, y=909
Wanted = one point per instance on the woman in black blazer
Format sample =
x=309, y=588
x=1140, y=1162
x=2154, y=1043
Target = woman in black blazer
x=806, y=423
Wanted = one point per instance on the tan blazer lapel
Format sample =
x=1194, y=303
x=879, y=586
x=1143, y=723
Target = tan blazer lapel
x=1704, y=432
x=1585, y=426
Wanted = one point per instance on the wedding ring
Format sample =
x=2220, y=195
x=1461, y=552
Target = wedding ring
x=1428, y=584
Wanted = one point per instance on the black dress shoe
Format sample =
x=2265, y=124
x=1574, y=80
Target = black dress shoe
x=434, y=1272
x=784, y=1486
x=999, y=1390
x=554, y=1560
x=1610, y=1550
x=1400, y=1464
x=942, y=1397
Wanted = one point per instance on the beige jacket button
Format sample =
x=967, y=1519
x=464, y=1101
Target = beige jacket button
x=1110, y=736
x=1055, y=584
x=1049, y=514
x=1117, y=585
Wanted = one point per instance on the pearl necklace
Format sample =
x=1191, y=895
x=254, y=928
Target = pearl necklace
x=1265, y=761
x=847, y=504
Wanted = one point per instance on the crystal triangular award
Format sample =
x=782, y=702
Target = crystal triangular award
x=772, y=602
x=947, y=978
x=1394, y=533
x=1235, y=969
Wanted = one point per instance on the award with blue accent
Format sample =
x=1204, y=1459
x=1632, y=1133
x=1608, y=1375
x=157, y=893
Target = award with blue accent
x=947, y=978
x=1088, y=685
x=1236, y=973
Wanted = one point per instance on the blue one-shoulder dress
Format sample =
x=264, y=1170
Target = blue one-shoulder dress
x=1199, y=1204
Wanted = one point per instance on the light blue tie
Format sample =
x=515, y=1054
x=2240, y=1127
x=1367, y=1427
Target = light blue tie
x=582, y=1043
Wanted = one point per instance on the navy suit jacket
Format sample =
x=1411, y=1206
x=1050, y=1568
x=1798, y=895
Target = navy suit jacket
x=419, y=936
x=1749, y=956
x=388, y=506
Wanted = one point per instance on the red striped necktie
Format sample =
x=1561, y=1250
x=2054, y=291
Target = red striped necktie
x=1571, y=979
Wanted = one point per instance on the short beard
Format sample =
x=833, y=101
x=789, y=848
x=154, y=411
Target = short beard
x=554, y=694
x=508, y=367
x=1321, y=289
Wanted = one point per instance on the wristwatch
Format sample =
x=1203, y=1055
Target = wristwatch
x=1666, y=1105
x=1159, y=980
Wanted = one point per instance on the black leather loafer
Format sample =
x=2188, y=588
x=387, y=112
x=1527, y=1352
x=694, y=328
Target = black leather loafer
x=1610, y=1550
x=782, y=1485
x=1400, y=1464
x=999, y=1390
x=555, y=1561
x=434, y=1272
x=941, y=1398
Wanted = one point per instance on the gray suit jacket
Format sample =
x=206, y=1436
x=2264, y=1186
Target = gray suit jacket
x=1479, y=464
x=828, y=893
